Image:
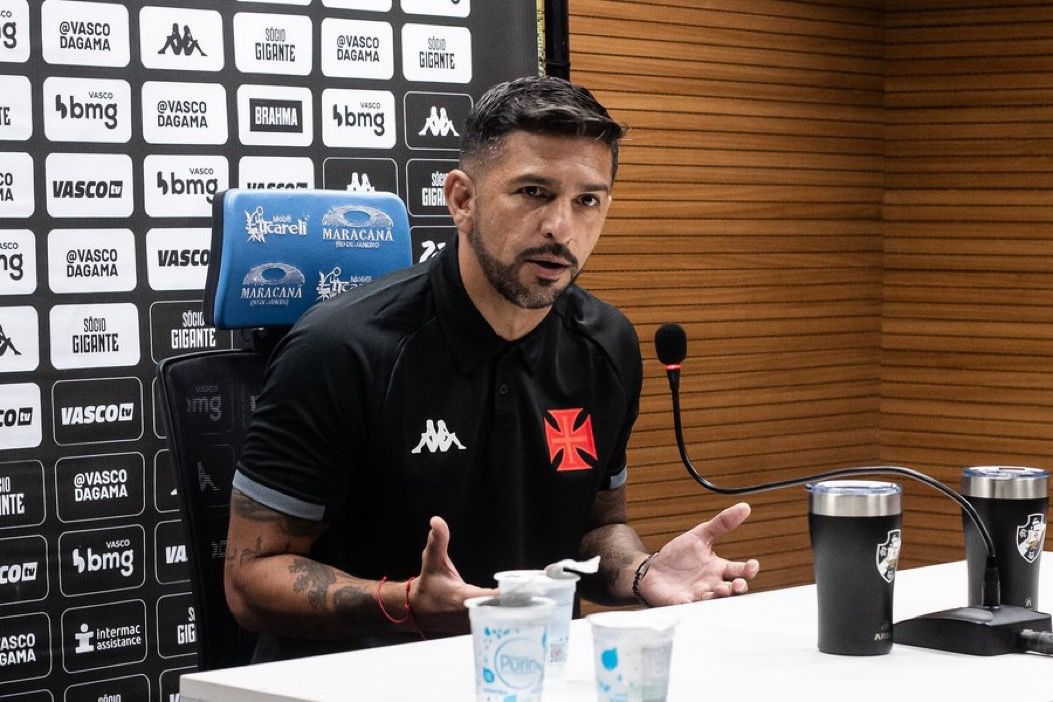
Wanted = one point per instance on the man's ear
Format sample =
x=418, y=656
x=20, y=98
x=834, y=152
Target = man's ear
x=460, y=199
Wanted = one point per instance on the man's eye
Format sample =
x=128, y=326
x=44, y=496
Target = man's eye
x=590, y=200
x=532, y=191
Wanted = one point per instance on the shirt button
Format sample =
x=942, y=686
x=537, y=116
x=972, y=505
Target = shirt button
x=502, y=389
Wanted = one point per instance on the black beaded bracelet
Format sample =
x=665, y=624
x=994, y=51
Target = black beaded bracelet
x=641, y=571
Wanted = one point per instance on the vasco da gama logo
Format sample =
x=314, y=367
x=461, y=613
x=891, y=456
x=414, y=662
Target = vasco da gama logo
x=887, y=556
x=1030, y=535
x=272, y=284
x=357, y=226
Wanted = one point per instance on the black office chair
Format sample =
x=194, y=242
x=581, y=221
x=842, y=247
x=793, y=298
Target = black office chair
x=266, y=246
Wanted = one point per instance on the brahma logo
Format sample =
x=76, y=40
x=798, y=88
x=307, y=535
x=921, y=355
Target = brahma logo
x=272, y=115
x=85, y=33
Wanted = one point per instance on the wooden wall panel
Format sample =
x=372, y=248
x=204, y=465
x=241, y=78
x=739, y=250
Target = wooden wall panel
x=748, y=208
x=967, y=360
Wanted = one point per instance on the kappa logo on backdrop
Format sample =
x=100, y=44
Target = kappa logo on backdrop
x=436, y=437
x=567, y=434
x=438, y=124
x=181, y=42
x=7, y=344
x=360, y=184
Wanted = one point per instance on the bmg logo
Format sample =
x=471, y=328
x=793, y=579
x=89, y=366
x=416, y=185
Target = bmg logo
x=11, y=264
x=370, y=116
x=94, y=109
x=93, y=562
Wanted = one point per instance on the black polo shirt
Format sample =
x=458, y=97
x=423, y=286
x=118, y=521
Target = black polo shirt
x=397, y=401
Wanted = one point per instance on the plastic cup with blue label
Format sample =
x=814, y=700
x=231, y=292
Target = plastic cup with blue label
x=558, y=587
x=631, y=651
x=509, y=636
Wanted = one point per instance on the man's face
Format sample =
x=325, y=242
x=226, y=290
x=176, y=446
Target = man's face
x=540, y=204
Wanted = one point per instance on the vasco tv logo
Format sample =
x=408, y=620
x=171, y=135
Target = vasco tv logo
x=20, y=415
x=275, y=173
x=87, y=109
x=98, y=410
x=358, y=118
x=183, y=186
x=85, y=33
x=23, y=570
x=89, y=185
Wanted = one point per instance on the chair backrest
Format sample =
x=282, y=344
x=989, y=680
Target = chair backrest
x=274, y=254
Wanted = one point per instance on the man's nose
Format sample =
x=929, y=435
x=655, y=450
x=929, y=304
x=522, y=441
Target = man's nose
x=558, y=221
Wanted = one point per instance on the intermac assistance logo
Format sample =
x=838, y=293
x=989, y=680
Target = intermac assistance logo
x=357, y=226
x=259, y=227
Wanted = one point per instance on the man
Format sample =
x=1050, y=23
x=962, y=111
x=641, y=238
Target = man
x=479, y=404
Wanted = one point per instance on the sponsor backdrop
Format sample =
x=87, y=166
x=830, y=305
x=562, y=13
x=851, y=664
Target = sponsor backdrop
x=118, y=123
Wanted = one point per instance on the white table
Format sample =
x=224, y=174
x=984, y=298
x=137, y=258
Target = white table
x=754, y=647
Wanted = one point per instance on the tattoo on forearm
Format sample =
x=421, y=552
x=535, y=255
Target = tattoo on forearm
x=312, y=578
x=348, y=602
x=613, y=547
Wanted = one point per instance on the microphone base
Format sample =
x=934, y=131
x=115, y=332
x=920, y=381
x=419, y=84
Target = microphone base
x=978, y=631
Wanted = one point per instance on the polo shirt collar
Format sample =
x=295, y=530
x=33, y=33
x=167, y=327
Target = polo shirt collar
x=471, y=338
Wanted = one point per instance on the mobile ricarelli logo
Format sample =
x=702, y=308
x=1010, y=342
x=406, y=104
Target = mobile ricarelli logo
x=87, y=109
x=357, y=227
x=85, y=33
x=258, y=226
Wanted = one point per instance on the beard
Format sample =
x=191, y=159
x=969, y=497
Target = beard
x=504, y=279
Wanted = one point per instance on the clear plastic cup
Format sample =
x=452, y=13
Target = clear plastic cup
x=560, y=589
x=509, y=638
x=632, y=650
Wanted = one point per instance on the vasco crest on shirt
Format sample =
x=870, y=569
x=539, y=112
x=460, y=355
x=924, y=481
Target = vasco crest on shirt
x=887, y=556
x=1030, y=535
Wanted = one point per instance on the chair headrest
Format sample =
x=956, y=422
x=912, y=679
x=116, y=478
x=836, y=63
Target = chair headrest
x=277, y=252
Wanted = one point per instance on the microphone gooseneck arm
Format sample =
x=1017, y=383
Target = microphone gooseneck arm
x=672, y=350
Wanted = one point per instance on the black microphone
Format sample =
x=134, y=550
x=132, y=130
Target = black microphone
x=984, y=627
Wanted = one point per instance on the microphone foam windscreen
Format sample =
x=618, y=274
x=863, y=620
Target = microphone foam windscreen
x=670, y=342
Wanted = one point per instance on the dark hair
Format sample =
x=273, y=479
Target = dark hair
x=541, y=105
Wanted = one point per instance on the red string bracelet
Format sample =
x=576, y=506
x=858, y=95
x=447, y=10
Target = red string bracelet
x=380, y=603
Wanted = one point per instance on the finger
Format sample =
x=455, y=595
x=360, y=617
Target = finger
x=739, y=586
x=724, y=522
x=435, y=556
x=741, y=569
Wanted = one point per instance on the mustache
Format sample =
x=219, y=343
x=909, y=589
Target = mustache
x=551, y=249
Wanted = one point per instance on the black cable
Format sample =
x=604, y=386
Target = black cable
x=1037, y=641
x=991, y=594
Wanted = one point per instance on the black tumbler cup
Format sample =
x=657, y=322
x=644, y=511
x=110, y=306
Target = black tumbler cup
x=1012, y=502
x=855, y=527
